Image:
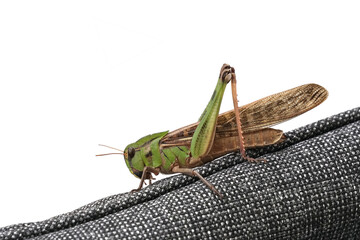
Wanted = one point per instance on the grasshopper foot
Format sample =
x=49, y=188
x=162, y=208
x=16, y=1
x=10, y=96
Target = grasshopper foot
x=135, y=190
x=255, y=160
x=191, y=172
x=146, y=174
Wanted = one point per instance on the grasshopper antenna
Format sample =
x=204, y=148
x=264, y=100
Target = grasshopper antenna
x=98, y=155
x=111, y=148
x=120, y=151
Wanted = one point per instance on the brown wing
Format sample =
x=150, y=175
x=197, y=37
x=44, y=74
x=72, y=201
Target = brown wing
x=275, y=108
x=260, y=114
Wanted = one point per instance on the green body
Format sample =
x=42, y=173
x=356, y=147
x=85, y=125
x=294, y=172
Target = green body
x=149, y=152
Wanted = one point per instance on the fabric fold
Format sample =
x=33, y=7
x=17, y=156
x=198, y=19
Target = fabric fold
x=309, y=188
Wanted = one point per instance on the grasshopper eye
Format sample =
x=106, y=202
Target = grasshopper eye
x=131, y=152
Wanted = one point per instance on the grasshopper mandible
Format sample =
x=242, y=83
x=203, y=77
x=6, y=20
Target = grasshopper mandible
x=215, y=135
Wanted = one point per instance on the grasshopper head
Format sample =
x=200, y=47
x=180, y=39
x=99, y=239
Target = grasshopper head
x=132, y=153
x=133, y=160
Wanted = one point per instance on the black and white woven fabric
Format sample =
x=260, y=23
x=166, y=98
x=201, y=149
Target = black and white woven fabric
x=308, y=189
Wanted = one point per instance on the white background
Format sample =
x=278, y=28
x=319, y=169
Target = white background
x=78, y=73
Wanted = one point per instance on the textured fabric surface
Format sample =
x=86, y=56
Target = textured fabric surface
x=308, y=189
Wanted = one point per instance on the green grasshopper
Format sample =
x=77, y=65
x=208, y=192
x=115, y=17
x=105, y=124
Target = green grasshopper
x=215, y=135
